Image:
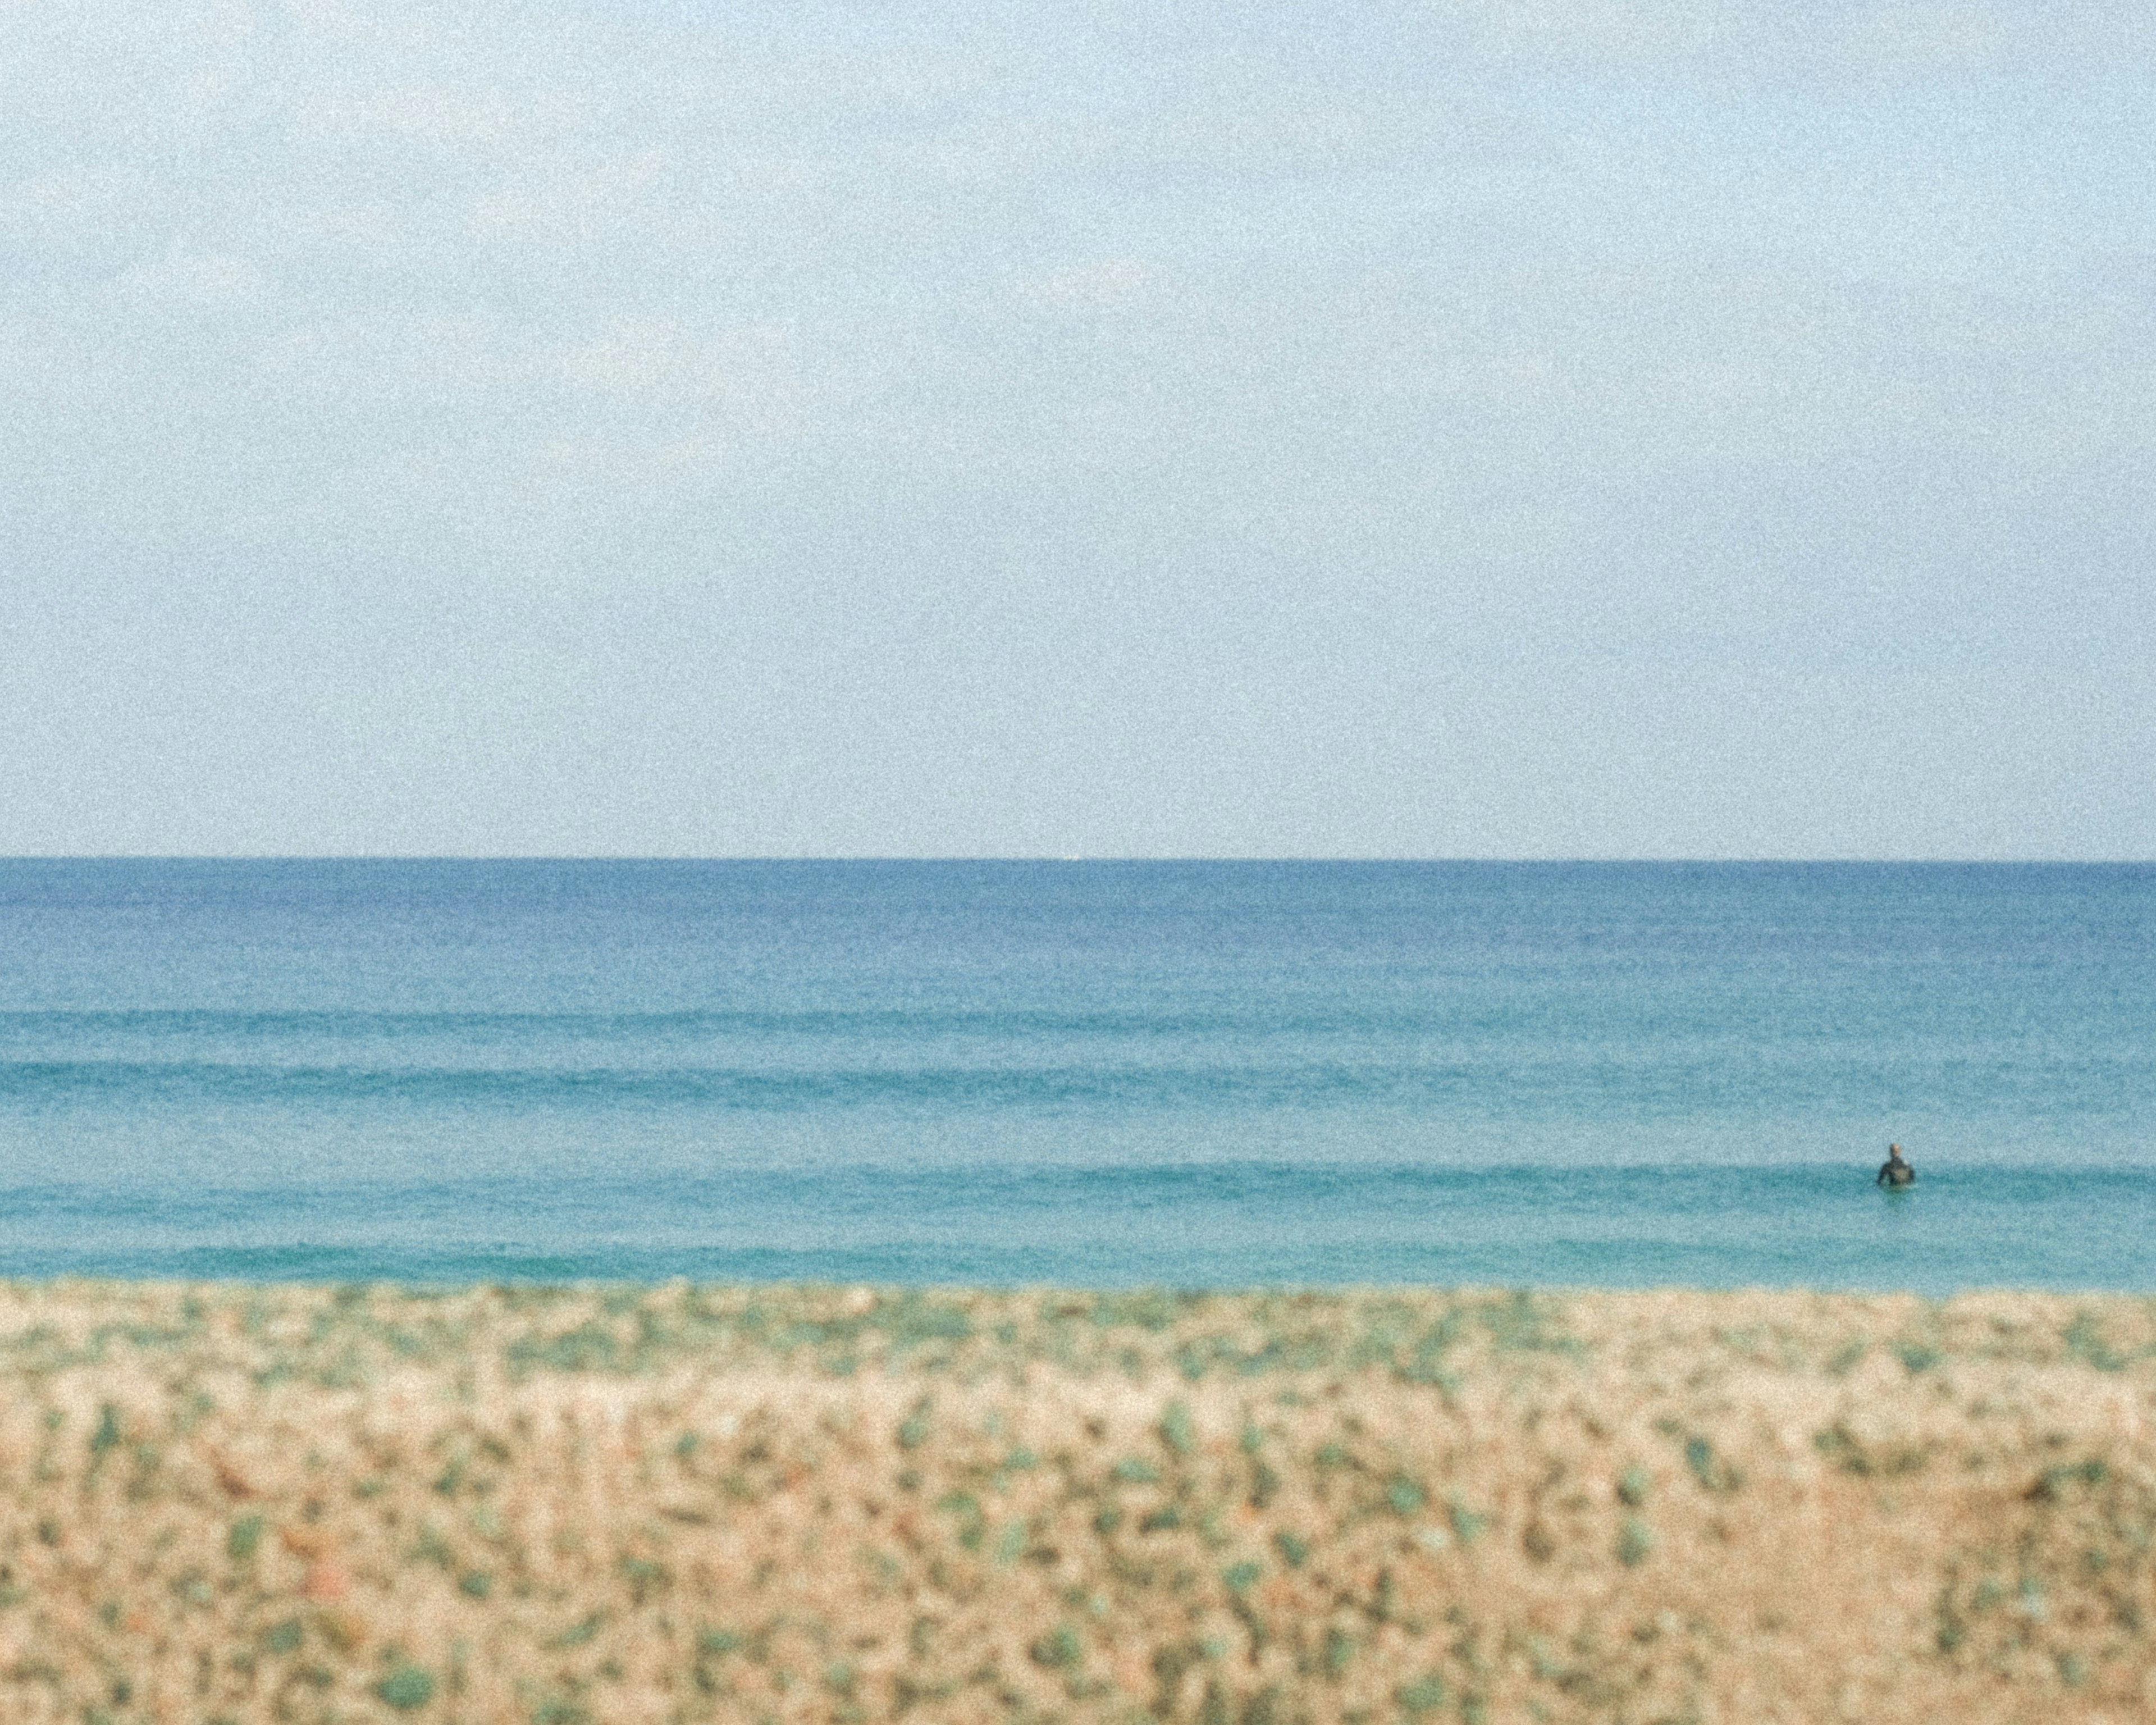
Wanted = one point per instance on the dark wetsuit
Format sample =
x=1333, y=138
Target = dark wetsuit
x=1896, y=1173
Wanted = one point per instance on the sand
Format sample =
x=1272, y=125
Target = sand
x=678, y=1503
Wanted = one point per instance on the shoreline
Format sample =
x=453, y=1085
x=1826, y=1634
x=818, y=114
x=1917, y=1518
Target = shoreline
x=243, y=1501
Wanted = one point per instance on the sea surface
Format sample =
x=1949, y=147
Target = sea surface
x=1199, y=1074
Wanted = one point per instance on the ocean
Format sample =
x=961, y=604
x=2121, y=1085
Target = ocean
x=1199, y=1074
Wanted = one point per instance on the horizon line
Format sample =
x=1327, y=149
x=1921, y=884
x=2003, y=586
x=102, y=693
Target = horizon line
x=1032, y=858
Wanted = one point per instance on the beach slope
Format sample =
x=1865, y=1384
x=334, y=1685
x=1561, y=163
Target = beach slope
x=624, y=1505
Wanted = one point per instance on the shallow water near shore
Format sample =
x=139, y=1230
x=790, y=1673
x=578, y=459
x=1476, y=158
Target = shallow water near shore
x=1196, y=1074
x=1217, y=1226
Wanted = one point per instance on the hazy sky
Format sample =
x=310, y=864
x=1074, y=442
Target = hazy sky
x=1610, y=427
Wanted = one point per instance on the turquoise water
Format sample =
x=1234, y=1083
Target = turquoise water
x=1198, y=1073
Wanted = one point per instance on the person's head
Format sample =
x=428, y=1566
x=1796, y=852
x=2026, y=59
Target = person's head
x=1894, y=1152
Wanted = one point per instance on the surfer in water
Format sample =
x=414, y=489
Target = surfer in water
x=1895, y=1171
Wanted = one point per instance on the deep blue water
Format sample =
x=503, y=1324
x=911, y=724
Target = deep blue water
x=1200, y=1073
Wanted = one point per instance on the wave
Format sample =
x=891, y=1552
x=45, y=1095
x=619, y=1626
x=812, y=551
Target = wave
x=1191, y=1224
x=1552, y=1084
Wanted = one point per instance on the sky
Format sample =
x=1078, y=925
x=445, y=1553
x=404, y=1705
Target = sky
x=1470, y=427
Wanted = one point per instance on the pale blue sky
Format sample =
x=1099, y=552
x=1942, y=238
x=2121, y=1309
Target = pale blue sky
x=1611, y=428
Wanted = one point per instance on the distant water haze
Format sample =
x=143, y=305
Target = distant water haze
x=1209, y=1073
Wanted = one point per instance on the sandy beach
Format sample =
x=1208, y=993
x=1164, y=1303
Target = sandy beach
x=233, y=1503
